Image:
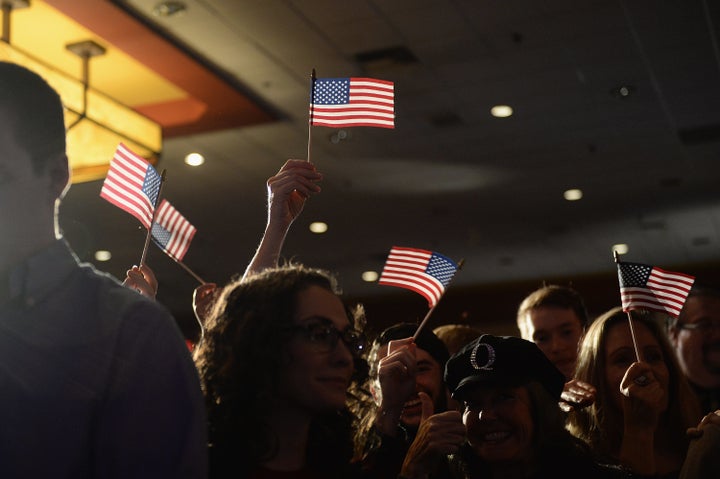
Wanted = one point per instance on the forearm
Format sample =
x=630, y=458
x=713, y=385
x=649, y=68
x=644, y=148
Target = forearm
x=268, y=252
x=637, y=452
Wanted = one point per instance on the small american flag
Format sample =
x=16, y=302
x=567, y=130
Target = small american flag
x=425, y=272
x=171, y=231
x=132, y=184
x=648, y=287
x=342, y=102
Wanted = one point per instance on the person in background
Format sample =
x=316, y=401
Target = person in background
x=278, y=357
x=695, y=335
x=554, y=317
x=407, y=425
x=644, y=405
x=456, y=336
x=96, y=379
x=509, y=391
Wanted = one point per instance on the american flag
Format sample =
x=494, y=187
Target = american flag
x=648, y=287
x=422, y=271
x=341, y=102
x=171, y=231
x=132, y=184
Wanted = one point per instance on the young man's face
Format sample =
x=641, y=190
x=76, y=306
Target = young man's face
x=557, y=332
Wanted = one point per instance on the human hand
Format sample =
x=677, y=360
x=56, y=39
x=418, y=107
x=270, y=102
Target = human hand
x=396, y=375
x=710, y=420
x=142, y=279
x=577, y=395
x=287, y=190
x=203, y=300
x=642, y=397
x=438, y=435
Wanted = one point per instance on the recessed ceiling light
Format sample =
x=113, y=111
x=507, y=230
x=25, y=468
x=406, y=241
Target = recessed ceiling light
x=573, y=194
x=501, y=111
x=370, y=276
x=103, y=255
x=168, y=8
x=194, y=159
x=620, y=248
x=318, y=227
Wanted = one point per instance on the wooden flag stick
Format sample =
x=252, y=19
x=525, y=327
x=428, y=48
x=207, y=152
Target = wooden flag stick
x=312, y=107
x=188, y=270
x=152, y=220
x=427, y=316
x=616, y=257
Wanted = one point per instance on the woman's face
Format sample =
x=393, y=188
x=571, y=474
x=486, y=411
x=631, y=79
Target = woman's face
x=319, y=368
x=499, y=423
x=620, y=354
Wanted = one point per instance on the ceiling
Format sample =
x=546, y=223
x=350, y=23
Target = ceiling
x=449, y=177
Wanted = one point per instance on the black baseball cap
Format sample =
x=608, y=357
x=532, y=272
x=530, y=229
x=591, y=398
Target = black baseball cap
x=426, y=340
x=501, y=360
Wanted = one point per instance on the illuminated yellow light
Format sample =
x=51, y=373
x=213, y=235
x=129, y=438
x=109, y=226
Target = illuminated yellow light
x=318, y=227
x=92, y=142
x=620, y=248
x=194, y=159
x=573, y=194
x=501, y=111
x=370, y=276
x=103, y=255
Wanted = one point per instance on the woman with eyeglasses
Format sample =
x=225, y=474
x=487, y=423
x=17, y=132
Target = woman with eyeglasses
x=278, y=357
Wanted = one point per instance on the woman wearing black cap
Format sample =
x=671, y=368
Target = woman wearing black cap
x=510, y=392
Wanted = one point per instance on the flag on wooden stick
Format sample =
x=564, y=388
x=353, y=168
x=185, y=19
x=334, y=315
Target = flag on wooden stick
x=171, y=231
x=345, y=102
x=649, y=287
x=426, y=272
x=132, y=184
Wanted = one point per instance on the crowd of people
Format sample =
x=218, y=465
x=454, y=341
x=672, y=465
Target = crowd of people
x=97, y=381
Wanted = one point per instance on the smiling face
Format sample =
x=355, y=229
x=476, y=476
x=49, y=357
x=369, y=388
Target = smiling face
x=620, y=354
x=499, y=423
x=428, y=380
x=316, y=378
x=557, y=332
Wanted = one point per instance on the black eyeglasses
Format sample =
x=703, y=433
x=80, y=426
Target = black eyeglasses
x=325, y=337
x=704, y=325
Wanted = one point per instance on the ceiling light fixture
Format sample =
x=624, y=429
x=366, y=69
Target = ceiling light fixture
x=168, y=8
x=501, y=111
x=370, y=276
x=573, y=194
x=620, y=248
x=318, y=227
x=103, y=255
x=96, y=123
x=194, y=159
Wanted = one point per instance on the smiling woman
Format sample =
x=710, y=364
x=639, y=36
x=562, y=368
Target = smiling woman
x=279, y=355
x=510, y=392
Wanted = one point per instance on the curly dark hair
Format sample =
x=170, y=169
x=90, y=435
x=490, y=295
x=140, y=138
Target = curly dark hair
x=240, y=367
